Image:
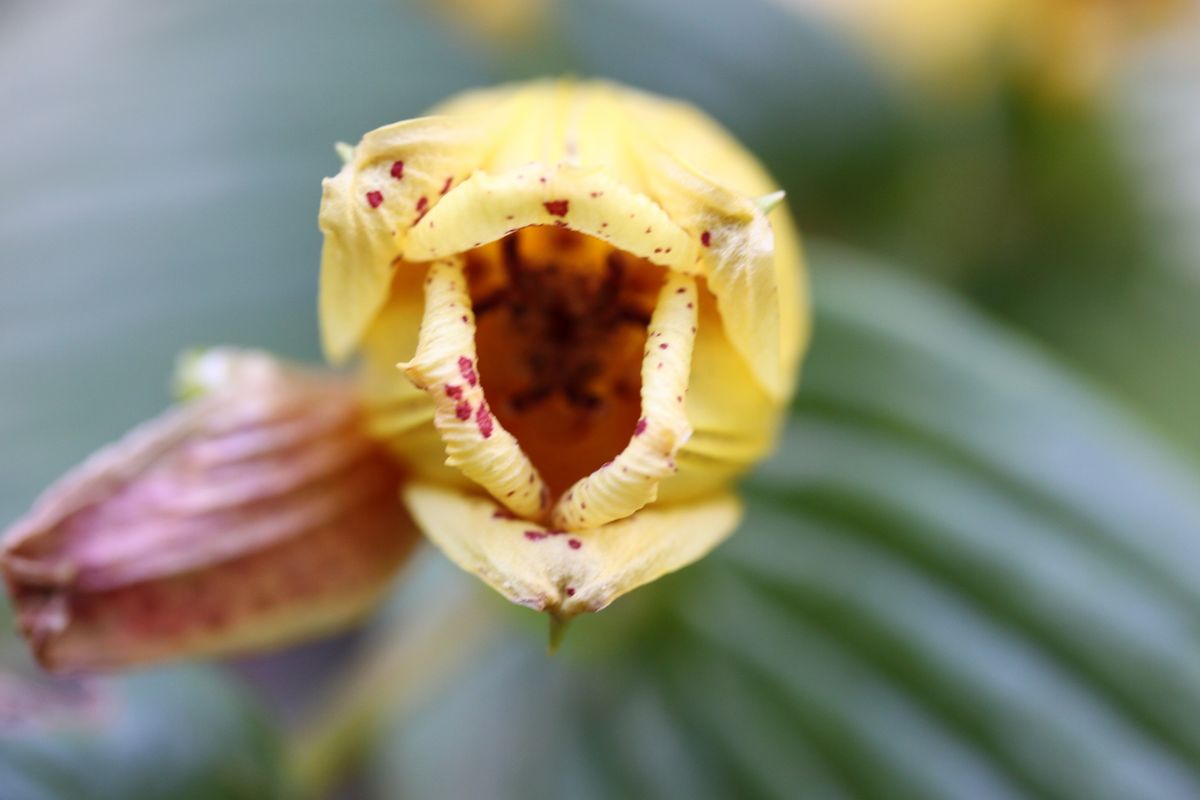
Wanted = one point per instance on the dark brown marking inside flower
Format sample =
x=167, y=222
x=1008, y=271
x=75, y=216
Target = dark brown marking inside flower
x=561, y=327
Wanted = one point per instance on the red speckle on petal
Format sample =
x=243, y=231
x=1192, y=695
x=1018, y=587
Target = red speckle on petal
x=397, y=169
x=463, y=410
x=422, y=207
x=640, y=428
x=446, y=186
x=467, y=370
x=483, y=418
x=570, y=591
x=706, y=239
x=663, y=346
x=375, y=199
x=454, y=391
x=503, y=513
x=464, y=318
x=557, y=207
x=574, y=544
x=534, y=536
x=680, y=290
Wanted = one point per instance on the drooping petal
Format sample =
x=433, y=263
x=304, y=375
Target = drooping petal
x=446, y=366
x=568, y=573
x=630, y=481
x=255, y=514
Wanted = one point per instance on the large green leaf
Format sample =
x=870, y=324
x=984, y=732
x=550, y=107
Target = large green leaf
x=181, y=734
x=965, y=575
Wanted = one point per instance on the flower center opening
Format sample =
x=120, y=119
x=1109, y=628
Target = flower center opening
x=561, y=325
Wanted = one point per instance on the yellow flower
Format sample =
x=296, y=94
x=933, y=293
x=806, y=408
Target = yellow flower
x=1068, y=46
x=577, y=326
x=504, y=23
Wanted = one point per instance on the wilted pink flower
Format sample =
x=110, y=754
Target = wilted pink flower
x=255, y=513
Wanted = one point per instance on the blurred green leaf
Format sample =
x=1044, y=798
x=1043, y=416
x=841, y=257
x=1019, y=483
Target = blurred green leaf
x=179, y=734
x=965, y=575
x=162, y=169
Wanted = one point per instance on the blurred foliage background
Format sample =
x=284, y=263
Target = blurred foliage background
x=971, y=571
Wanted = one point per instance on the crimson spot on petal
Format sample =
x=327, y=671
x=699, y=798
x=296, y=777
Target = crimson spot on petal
x=467, y=370
x=557, y=207
x=483, y=418
x=375, y=199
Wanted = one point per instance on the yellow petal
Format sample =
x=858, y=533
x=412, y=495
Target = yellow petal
x=706, y=182
x=446, y=366
x=398, y=413
x=487, y=207
x=253, y=515
x=734, y=422
x=630, y=481
x=567, y=574
x=396, y=173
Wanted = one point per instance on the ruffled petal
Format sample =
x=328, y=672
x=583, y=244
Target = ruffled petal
x=630, y=481
x=566, y=574
x=446, y=366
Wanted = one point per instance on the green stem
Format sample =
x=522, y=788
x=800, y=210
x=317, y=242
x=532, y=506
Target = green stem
x=387, y=680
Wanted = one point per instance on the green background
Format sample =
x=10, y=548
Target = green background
x=971, y=571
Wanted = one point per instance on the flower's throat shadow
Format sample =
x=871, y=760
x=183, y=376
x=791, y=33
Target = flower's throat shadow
x=561, y=328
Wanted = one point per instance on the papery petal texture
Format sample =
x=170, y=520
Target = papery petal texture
x=567, y=573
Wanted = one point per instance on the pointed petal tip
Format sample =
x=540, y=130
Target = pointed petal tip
x=769, y=202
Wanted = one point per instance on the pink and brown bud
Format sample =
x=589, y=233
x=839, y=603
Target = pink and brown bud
x=256, y=513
